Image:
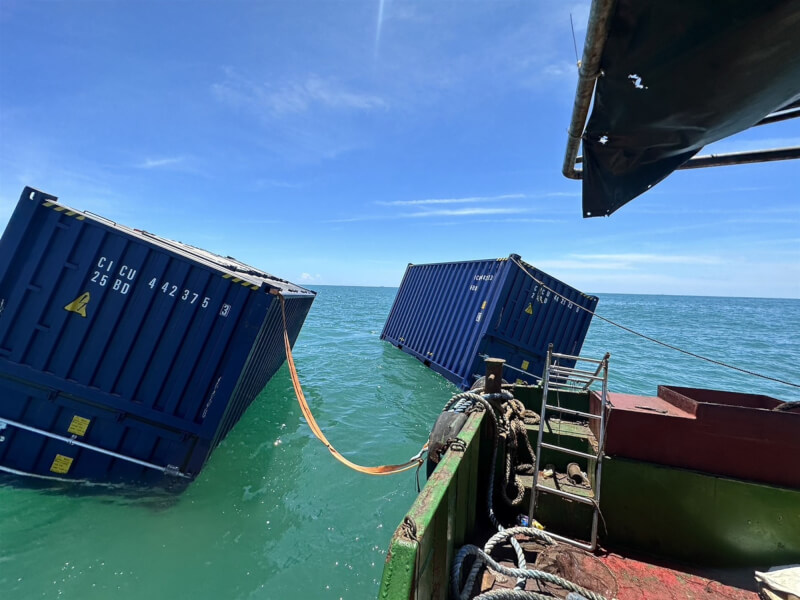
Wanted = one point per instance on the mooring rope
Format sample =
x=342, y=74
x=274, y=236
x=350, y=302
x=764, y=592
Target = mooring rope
x=483, y=557
x=512, y=594
x=412, y=463
x=484, y=401
x=655, y=341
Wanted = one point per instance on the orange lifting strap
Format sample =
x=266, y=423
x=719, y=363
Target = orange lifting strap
x=301, y=399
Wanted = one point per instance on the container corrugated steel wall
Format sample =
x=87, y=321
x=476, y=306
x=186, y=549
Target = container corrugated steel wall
x=128, y=342
x=450, y=314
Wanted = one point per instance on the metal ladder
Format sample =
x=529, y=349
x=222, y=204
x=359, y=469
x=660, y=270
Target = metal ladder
x=572, y=379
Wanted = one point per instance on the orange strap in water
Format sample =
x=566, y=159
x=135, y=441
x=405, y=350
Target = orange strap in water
x=301, y=399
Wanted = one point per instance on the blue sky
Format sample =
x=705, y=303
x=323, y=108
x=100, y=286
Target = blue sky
x=334, y=142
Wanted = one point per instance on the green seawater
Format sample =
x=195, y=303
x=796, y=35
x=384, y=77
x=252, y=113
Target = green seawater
x=273, y=515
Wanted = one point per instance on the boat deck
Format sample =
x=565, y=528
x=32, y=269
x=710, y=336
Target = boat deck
x=621, y=577
x=647, y=404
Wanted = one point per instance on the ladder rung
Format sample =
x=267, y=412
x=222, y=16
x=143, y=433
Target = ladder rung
x=566, y=385
x=569, y=451
x=566, y=375
x=557, y=380
x=576, y=371
x=568, y=495
x=570, y=411
x=570, y=374
x=595, y=361
x=591, y=547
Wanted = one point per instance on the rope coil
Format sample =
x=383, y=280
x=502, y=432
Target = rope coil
x=482, y=557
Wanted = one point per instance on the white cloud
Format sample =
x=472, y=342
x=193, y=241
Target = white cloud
x=561, y=69
x=278, y=183
x=467, y=200
x=581, y=265
x=645, y=259
x=466, y=212
x=309, y=277
x=306, y=119
x=294, y=97
x=157, y=163
x=459, y=212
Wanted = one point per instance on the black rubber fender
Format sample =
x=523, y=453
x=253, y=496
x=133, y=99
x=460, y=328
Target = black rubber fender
x=447, y=427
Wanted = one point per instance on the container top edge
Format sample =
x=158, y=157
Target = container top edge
x=228, y=266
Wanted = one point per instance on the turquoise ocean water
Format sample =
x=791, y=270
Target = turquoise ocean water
x=274, y=516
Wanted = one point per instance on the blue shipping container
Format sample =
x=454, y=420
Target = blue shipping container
x=449, y=315
x=125, y=356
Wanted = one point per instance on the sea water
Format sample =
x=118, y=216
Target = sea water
x=273, y=515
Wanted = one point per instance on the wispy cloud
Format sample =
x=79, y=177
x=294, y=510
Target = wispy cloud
x=559, y=69
x=763, y=221
x=477, y=199
x=649, y=259
x=468, y=210
x=159, y=163
x=300, y=96
x=426, y=214
x=581, y=265
x=293, y=97
x=622, y=262
x=279, y=183
x=465, y=212
x=306, y=119
x=468, y=200
x=514, y=221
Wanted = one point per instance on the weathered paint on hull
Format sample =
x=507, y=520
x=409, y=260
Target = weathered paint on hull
x=442, y=518
x=699, y=518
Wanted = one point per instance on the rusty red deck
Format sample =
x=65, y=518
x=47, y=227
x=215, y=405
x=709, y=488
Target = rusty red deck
x=624, y=578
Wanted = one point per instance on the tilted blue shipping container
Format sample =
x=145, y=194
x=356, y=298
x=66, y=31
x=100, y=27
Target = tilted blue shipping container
x=125, y=356
x=450, y=315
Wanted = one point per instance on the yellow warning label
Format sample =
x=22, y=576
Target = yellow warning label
x=529, y=310
x=79, y=304
x=78, y=425
x=483, y=306
x=61, y=464
x=525, y=365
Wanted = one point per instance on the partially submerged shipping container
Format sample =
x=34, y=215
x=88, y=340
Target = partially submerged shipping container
x=451, y=315
x=125, y=356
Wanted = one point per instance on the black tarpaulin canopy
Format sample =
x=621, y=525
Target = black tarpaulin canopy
x=671, y=76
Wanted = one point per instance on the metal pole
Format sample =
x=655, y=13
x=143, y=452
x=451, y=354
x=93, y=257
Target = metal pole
x=596, y=34
x=741, y=158
x=168, y=470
